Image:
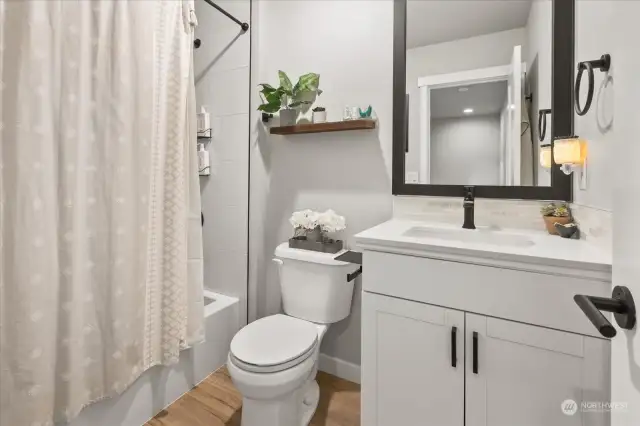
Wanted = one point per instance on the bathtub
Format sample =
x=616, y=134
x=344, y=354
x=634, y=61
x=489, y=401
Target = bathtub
x=160, y=386
x=214, y=303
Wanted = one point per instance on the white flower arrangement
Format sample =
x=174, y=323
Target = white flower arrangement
x=328, y=221
x=304, y=219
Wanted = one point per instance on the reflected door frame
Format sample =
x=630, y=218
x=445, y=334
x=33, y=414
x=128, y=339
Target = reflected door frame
x=440, y=81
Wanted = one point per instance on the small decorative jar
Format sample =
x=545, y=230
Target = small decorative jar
x=319, y=115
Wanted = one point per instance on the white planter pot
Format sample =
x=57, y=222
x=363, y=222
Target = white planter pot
x=319, y=116
x=288, y=117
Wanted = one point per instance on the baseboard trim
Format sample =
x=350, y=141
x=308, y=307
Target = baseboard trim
x=340, y=368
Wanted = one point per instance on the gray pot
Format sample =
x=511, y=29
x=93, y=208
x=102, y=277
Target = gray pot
x=299, y=232
x=315, y=234
x=288, y=117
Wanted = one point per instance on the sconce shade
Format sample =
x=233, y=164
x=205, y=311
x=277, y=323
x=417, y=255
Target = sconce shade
x=545, y=157
x=570, y=151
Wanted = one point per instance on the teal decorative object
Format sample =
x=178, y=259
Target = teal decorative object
x=367, y=113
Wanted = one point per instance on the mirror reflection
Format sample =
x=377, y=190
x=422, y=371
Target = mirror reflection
x=478, y=72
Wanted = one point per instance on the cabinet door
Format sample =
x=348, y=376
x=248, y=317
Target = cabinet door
x=408, y=372
x=523, y=374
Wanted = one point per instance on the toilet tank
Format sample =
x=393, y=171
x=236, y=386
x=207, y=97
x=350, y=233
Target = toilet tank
x=314, y=285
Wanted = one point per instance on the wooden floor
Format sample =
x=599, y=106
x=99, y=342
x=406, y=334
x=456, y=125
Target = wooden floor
x=215, y=402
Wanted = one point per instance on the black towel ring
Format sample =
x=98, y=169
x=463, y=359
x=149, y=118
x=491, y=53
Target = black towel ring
x=603, y=64
x=542, y=123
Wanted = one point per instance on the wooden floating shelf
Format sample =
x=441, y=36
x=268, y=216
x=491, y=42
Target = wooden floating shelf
x=333, y=126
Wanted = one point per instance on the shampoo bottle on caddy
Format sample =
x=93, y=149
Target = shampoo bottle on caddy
x=204, y=165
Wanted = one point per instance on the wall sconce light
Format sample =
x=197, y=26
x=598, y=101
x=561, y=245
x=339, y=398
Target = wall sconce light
x=569, y=153
x=545, y=156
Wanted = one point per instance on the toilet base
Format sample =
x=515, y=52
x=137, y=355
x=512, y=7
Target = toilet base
x=295, y=410
x=310, y=401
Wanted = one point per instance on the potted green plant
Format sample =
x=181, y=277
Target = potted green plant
x=287, y=97
x=555, y=213
x=319, y=114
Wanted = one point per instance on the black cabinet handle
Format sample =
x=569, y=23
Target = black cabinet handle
x=454, y=350
x=475, y=352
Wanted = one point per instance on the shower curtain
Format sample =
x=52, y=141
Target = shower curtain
x=100, y=237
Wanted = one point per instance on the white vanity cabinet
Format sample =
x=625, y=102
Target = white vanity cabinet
x=520, y=376
x=407, y=359
x=451, y=338
x=524, y=373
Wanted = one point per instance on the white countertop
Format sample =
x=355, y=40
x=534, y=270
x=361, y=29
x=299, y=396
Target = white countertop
x=546, y=250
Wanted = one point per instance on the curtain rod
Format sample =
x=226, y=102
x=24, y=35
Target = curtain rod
x=197, y=42
x=243, y=25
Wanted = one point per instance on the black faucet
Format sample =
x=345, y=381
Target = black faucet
x=468, y=205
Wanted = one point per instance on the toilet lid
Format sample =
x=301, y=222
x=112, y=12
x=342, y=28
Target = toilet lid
x=274, y=340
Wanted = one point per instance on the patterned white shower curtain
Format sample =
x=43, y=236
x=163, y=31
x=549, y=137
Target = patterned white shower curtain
x=100, y=237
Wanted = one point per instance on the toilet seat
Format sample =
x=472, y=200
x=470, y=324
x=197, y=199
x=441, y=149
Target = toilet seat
x=273, y=344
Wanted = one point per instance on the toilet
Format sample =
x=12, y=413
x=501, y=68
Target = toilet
x=273, y=361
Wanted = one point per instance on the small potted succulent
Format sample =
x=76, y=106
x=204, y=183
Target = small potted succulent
x=287, y=97
x=319, y=114
x=310, y=230
x=555, y=213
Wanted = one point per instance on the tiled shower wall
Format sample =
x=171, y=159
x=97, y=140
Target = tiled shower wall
x=222, y=85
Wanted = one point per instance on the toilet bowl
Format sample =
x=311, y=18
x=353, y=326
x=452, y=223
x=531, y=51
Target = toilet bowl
x=273, y=361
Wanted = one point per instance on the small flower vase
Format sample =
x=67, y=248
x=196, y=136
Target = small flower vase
x=314, y=234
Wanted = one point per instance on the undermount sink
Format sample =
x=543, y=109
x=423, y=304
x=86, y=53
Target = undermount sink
x=478, y=236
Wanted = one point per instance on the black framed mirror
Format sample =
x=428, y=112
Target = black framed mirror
x=470, y=78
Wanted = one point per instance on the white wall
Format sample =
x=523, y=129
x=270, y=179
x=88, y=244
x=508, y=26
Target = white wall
x=349, y=43
x=465, y=150
x=597, y=126
x=222, y=84
x=539, y=72
x=460, y=55
x=351, y=172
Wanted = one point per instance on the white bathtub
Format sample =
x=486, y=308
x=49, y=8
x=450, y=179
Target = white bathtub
x=160, y=386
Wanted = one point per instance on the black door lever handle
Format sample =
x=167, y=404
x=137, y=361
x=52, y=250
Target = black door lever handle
x=621, y=304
